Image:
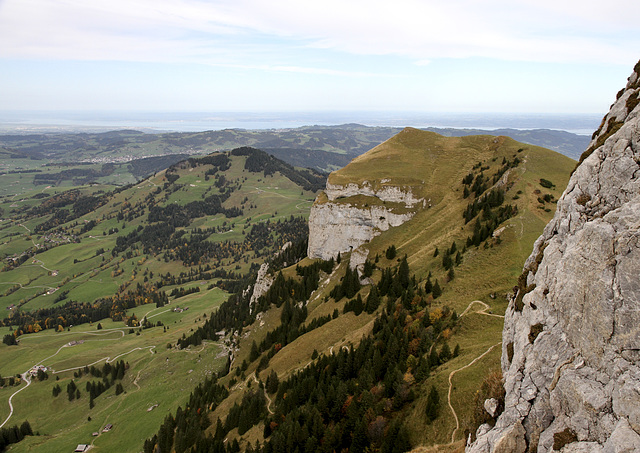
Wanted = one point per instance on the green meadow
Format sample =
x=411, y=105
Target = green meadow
x=155, y=376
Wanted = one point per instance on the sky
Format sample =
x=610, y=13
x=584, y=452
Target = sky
x=539, y=56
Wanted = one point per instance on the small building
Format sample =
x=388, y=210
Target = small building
x=81, y=448
x=107, y=428
x=34, y=371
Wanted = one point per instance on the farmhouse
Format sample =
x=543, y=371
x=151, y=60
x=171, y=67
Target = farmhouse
x=34, y=371
x=81, y=447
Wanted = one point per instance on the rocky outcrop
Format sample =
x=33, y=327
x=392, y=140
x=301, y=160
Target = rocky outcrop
x=571, y=339
x=264, y=280
x=263, y=283
x=388, y=193
x=340, y=226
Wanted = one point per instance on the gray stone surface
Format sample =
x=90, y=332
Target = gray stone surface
x=263, y=283
x=388, y=192
x=581, y=373
x=340, y=227
x=491, y=406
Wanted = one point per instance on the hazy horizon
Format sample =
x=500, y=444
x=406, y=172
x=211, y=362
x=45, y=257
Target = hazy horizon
x=96, y=121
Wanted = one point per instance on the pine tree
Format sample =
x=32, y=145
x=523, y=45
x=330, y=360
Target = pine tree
x=390, y=253
x=25, y=429
x=437, y=291
x=445, y=353
x=434, y=358
x=433, y=404
x=403, y=272
x=373, y=300
x=428, y=286
x=254, y=354
x=272, y=382
x=358, y=305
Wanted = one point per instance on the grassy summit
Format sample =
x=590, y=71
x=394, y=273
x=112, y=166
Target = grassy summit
x=434, y=167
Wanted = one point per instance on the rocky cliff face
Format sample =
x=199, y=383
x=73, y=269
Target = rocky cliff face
x=337, y=225
x=392, y=194
x=571, y=339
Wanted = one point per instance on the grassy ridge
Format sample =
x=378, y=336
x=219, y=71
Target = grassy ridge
x=487, y=273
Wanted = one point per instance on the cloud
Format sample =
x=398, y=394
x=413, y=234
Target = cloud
x=276, y=34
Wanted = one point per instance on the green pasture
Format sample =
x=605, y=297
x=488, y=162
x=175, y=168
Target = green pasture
x=162, y=376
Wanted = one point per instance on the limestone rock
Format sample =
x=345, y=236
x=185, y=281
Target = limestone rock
x=388, y=193
x=571, y=338
x=491, y=406
x=340, y=227
x=512, y=440
x=263, y=279
x=263, y=283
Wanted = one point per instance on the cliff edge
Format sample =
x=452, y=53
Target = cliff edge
x=571, y=338
x=339, y=222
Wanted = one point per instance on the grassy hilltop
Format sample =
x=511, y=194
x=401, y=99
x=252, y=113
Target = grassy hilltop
x=305, y=330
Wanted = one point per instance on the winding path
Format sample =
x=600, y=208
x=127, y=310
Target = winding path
x=453, y=434
x=255, y=379
x=28, y=381
x=483, y=311
x=26, y=377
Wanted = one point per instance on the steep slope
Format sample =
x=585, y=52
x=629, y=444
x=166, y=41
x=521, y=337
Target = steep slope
x=571, y=340
x=429, y=182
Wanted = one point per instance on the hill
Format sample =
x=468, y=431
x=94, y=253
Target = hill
x=468, y=210
x=97, y=275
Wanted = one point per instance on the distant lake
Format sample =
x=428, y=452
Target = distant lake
x=95, y=121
